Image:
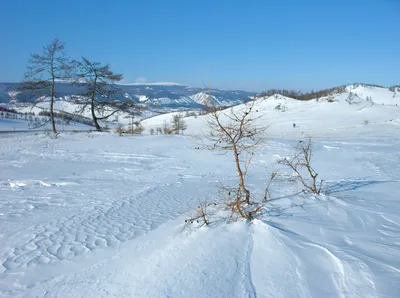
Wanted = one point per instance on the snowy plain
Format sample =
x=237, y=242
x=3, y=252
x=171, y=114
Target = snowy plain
x=99, y=215
x=21, y=125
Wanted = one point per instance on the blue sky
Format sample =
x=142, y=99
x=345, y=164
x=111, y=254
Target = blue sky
x=252, y=45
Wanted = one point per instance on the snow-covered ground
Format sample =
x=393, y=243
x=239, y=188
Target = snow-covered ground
x=10, y=125
x=98, y=215
x=65, y=105
x=312, y=118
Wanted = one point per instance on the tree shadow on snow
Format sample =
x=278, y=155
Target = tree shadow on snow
x=348, y=185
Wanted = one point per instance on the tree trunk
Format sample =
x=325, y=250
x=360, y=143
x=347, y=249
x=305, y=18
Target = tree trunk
x=240, y=174
x=95, y=122
x=53, y=122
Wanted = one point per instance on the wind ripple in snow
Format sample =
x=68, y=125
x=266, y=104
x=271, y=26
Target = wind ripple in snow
x=103, y=226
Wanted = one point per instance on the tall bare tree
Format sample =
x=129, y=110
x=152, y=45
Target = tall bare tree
x=100, y=92
x=236, y=131
x=43, y=71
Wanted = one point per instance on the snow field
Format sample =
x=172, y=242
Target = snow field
x=98, y=215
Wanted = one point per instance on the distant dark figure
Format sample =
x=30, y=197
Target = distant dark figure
x=294, y=124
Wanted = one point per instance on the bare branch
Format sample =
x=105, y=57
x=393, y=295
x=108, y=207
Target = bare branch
x=266, y=192
x=302, y=160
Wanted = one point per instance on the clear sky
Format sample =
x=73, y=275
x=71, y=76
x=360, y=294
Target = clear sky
x=245, y=44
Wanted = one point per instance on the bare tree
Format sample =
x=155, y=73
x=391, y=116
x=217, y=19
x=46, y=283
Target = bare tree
x=166, y=129
x=301, y=159
x=178, y=124
x=43, y=71
x=100, y=91
x=119, y=129
x=235, y=131
x=138, y=128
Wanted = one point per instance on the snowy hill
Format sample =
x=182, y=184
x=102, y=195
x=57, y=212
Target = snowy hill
x=376, y=95
x=348, y=106
x=327, y=115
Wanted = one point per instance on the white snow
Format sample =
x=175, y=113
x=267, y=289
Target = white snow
x=204, y=98
x=13, y=94
x=159, y=120
x=378, y=95
x=143, y=98
x=65, y=105
x=11, y=125
x=98, y=215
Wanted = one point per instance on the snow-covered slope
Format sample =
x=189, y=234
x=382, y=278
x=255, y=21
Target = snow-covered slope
x=16, y=125
x=65, y=105
x=377, y=95
x=206, y=99
x=99, y=215
x=360, y=93
x=312, y=118
x=352, y=97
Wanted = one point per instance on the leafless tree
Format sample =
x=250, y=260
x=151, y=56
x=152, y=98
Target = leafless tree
x=236, y=131
x=100, y=92
x=159, y=130
x=43, y=71
x=166, y=129
x=301, y=160
x=178, y=124
x=119, y=129
x=138, y=128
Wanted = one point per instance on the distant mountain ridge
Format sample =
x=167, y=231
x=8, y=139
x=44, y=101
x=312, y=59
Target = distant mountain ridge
x=164, y=97
x=157, y=95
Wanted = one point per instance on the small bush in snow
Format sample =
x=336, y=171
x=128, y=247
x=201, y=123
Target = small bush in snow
x=281, y=107
x=200, y=216
x=178, y=124
x=138, y=128
x=300, y=163
x=119, y=130
x=166, y=129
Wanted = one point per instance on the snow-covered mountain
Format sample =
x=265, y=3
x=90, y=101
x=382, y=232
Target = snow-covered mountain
x=204, y=98
x=154, y=95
